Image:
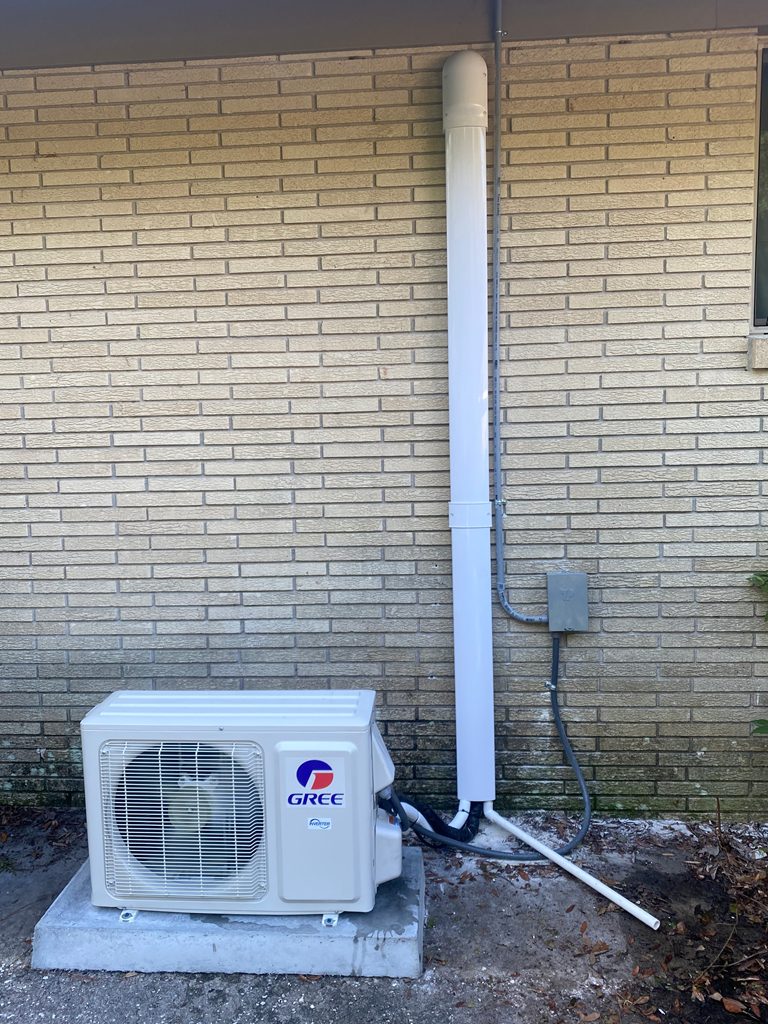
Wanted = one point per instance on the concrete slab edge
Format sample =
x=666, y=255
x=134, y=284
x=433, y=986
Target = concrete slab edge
x=387, y=942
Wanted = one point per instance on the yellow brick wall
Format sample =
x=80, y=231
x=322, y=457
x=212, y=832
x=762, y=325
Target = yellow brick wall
x=223, y=373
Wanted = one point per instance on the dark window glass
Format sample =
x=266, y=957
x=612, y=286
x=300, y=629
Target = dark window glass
x=761, y=240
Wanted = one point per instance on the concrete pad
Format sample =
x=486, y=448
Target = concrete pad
x=387, y=942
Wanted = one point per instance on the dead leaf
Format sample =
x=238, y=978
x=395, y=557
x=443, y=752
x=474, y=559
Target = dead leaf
x=524, y=875
x=494, y=892
x=3, y=837
x=310, y=977
x=569, y=909
x=583, y=927
x=586, y=1018
x=680, y=928
x=131, y=974
x=733, y=1005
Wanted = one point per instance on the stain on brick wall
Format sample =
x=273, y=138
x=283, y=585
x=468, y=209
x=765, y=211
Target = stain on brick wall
x=223, y=460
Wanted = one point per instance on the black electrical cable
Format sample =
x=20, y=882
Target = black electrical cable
x=457, y=844
x=465, y=834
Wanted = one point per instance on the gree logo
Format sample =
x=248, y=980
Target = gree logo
x=315, y=775
x=315, y=778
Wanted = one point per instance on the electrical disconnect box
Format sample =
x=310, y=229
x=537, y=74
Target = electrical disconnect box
x=567, y=600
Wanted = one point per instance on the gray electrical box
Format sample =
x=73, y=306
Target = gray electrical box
x=567, y=598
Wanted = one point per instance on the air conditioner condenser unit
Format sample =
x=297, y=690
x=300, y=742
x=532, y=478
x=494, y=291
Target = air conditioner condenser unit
x=238, y=802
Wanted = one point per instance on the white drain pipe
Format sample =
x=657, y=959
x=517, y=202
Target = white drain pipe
x=574, y=869
x=465, y=120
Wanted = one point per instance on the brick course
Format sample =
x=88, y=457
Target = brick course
x=223, y=460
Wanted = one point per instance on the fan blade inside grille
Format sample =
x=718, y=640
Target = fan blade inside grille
x=185, y=818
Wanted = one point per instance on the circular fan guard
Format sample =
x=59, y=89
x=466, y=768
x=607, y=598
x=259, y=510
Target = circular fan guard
x=189, y=812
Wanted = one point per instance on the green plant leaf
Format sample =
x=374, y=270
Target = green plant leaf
x=760, y=727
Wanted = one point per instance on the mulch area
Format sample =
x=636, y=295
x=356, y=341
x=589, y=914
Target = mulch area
x=50, y=832
x=708, y=962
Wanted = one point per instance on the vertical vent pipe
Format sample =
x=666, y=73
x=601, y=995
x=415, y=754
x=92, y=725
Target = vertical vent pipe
x=465, y=120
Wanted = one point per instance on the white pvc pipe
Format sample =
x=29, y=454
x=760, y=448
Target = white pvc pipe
x=465, y=119
x=573, y=869
x=416, y=816
x=460, y=820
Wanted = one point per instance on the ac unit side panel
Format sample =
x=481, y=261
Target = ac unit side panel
x=99, y=895
x=383, y=766
x=324, y=820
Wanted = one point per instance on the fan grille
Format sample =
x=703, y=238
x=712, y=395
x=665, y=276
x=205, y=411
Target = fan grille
x=183, y=819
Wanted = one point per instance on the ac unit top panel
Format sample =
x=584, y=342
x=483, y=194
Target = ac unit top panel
x=337, y=709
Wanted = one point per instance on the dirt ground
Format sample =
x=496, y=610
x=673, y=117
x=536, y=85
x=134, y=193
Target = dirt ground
x=504, y=944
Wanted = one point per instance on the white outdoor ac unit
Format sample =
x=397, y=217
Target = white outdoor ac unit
x=238, y=802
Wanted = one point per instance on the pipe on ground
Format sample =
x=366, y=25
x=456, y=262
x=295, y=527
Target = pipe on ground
x=574, y=869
